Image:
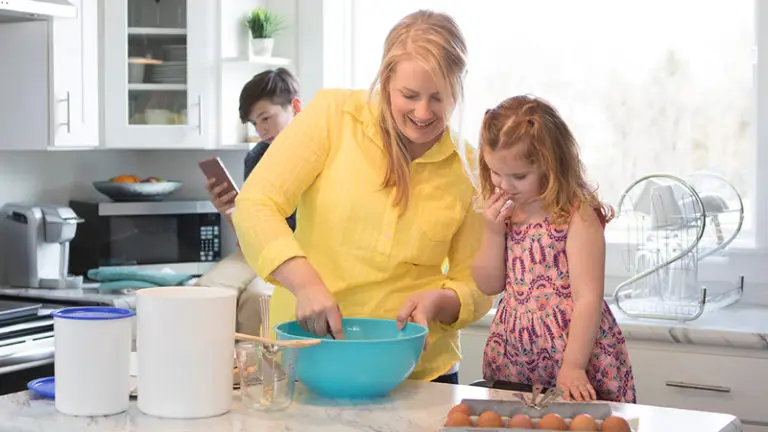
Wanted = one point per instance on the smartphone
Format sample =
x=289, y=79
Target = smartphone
x=213, y=168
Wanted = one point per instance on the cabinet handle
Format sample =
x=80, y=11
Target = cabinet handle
x=705, y=387
x=68, y=122
x=200, y=115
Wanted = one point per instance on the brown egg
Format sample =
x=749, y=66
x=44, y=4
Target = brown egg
x=490, y=419
x=615, y=424
x=553, y=422
x=458, y=419
x=520, y=421
x=583, y=422
x=462, y=408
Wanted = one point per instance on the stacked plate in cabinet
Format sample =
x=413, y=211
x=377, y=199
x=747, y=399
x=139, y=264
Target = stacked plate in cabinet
x=169, y=72
x=175, y=53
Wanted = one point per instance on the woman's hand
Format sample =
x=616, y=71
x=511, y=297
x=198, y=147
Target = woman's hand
x=223, y=201
x=427, y=306
x=497, y=210
x=318, y=312
x=575, y=384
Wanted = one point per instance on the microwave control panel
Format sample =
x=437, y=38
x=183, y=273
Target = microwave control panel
x=210, y=243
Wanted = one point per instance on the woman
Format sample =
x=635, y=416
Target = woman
x=382, y=197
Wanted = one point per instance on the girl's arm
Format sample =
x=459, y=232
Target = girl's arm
x=488, y=268
x=585, y=249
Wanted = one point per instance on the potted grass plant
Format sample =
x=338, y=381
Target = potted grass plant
x=263, y=24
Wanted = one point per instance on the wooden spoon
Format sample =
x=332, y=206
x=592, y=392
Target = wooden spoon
x=280, y=343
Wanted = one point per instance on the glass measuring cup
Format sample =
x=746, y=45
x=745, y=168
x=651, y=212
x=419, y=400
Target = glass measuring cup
x=267, y=375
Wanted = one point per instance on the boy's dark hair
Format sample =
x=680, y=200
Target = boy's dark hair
x=279, y=86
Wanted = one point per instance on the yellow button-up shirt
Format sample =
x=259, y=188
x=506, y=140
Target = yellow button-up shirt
x=330, y=163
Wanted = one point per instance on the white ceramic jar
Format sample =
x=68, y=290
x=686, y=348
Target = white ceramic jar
x=185, y=347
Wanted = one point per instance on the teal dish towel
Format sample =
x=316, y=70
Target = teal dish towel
x=123, y=278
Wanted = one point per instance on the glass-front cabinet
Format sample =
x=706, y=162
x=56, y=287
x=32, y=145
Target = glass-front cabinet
x=160, y=73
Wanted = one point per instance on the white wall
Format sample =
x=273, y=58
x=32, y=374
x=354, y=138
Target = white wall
x=57, y=176
x=303, y=41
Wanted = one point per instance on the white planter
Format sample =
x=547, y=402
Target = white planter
x=262, y=47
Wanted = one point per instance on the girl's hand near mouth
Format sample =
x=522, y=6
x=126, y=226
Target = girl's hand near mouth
x=498, y=208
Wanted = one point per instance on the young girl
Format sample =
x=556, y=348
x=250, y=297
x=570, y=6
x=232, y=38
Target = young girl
x=543, y=246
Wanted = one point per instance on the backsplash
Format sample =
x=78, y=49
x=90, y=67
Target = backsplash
x=58, y=176
x=55, y=177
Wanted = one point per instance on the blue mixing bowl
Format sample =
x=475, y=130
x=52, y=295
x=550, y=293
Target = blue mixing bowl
x=373, y=359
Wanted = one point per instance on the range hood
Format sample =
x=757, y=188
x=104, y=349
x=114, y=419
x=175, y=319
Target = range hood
x=35, y=10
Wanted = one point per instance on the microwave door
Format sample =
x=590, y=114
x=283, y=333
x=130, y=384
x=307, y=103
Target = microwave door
x=139, y=240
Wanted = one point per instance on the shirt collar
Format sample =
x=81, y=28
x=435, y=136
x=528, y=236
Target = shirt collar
x=364, y=108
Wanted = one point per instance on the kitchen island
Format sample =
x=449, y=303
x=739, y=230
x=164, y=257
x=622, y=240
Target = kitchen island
x=415, y=406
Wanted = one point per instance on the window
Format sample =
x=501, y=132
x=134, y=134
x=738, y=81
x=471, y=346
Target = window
x=651, y=86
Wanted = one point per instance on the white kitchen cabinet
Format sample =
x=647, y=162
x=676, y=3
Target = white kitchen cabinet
x=49, y=94
x=472, y=340
x=701, y=378
x=754, y=428
x=75, y=56
x=159, y=73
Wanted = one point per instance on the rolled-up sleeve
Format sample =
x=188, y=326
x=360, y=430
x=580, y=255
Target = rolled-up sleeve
x=464, y=245
x=272, y=191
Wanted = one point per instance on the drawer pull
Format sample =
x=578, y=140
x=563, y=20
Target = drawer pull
x=685, y=385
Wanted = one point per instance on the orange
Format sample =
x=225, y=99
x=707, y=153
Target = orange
x=125, y=178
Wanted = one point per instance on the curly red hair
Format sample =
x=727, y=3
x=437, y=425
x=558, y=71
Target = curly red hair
x=522, y=120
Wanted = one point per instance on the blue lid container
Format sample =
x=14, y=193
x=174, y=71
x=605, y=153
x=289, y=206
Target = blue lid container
x=93, y=313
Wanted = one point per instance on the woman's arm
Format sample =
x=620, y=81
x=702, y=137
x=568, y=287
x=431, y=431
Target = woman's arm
x=272, y=191
x=585, y=249
x=488, y=268
x=469, y=304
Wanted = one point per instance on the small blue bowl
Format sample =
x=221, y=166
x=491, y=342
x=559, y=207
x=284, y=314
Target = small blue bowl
x=373, y=359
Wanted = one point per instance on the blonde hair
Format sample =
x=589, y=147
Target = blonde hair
x=527, y=120
x=434, y=40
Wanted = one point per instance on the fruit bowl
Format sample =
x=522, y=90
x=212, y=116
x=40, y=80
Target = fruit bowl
x=139, y=191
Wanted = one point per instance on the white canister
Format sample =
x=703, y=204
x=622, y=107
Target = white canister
x=92, y=360
x=185, y=345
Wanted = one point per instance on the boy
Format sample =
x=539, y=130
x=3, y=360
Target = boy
x=269, y=101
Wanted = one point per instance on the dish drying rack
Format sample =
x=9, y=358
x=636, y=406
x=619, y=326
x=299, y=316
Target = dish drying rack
x=670, y=225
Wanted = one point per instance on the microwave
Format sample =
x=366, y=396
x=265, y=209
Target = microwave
x=184, y=236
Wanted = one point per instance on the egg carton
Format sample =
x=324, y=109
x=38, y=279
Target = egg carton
x=509, y=408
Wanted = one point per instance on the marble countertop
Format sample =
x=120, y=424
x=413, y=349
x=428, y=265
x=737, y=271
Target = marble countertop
x=738, y=326
x=741, y=325
x=414, y=406
x=123, y=299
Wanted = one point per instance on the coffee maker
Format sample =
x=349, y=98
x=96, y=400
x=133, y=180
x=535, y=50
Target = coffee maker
x=34, y=245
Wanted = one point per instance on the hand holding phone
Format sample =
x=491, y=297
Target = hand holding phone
x=220, y=186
